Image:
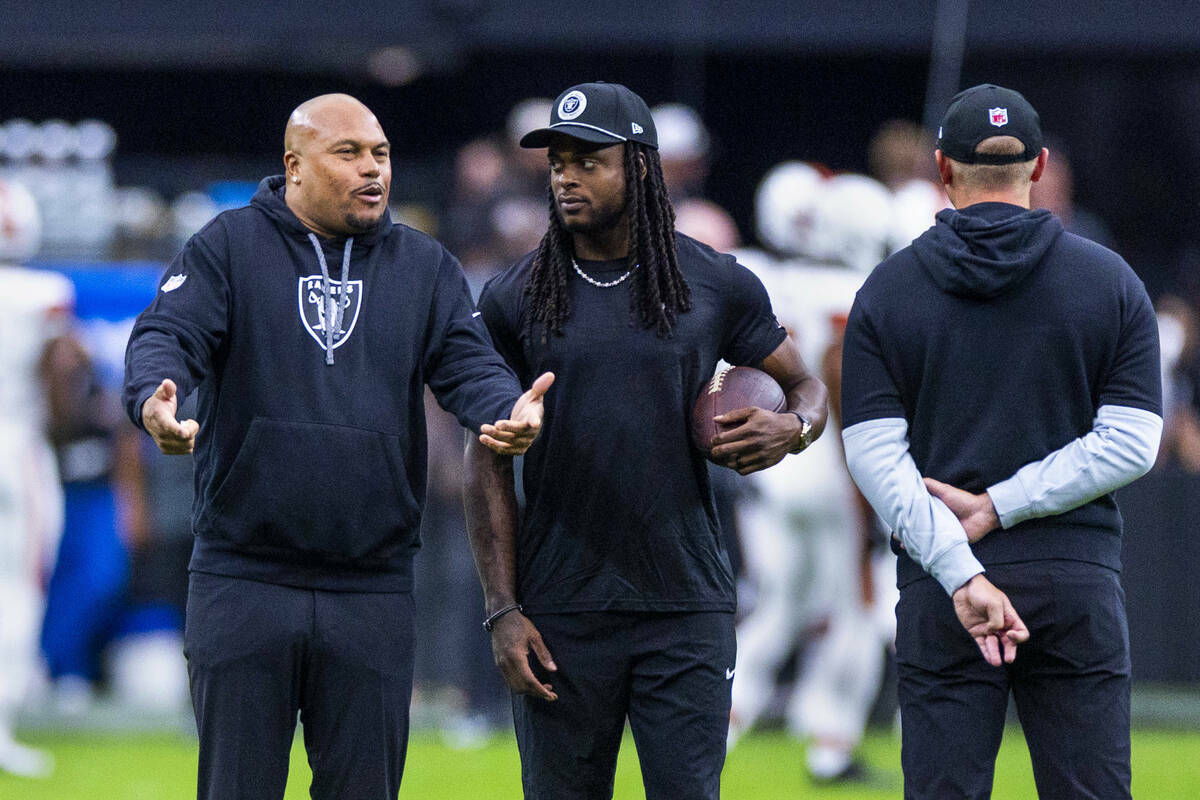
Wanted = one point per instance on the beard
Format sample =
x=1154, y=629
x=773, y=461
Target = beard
x=361, y=223
x=601, y=219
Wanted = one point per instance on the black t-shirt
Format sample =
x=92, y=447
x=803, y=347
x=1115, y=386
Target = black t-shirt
x=619, y=513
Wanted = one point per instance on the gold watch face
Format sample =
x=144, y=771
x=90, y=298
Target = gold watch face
x=805, y=430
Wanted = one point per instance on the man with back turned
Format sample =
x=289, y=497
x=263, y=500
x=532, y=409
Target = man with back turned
x=1014, y=367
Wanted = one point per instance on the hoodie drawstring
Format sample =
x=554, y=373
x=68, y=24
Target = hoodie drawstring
x=334, y=307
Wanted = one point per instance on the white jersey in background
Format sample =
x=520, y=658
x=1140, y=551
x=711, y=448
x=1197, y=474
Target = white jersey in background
x=34, y=308
x=802, y=530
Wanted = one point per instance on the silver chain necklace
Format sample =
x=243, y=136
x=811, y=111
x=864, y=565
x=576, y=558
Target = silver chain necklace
x=602, y=284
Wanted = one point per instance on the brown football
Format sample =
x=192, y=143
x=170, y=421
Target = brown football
x=732, y=388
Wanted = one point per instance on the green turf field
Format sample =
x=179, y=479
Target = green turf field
x=764, y=766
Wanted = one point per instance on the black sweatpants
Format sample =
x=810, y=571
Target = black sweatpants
x=257, y=653
x=669, y=674
x=1070, y=683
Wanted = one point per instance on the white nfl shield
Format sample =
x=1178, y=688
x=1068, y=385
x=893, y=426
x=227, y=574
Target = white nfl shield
x=998, y=116
x=314, y=310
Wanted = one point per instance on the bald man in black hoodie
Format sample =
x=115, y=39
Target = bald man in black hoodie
x=309, y=324
x=1000, y=381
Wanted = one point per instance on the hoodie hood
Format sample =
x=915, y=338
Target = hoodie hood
x=269, y=199
x=983, y=250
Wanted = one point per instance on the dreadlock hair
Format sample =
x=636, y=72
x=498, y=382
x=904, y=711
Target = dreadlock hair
x=658, y=291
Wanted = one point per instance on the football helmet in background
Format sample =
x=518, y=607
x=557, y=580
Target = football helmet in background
x=20, y=223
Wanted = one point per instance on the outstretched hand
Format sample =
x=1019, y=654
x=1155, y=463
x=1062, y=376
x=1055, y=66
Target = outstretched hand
x=158, y=418
x=514, y=637
x=513, y=436
x=974, y=511
x=989, y=617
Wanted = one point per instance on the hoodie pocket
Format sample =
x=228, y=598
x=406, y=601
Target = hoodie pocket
x=321, y=489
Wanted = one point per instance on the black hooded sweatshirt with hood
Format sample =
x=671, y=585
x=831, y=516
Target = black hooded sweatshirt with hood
x=1010, y=335
x=311, y=455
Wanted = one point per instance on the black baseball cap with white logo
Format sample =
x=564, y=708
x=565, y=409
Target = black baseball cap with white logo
x=984, y=111
x=602, y=113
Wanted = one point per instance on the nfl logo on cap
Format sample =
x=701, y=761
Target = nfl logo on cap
x=982, y=112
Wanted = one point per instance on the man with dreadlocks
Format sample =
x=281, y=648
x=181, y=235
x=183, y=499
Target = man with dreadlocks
x=612, y=598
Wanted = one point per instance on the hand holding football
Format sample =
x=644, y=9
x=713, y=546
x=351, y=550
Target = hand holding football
x=730, y=389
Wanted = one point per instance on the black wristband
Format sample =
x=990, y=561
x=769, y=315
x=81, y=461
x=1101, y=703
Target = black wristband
x=490, y=621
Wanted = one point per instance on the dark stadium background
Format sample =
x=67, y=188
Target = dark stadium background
x=200, y=91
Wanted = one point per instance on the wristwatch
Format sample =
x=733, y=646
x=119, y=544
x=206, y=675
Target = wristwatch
x=805, y=432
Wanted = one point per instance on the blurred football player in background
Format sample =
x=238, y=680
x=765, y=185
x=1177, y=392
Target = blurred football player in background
x=708, y=223
x=808, y=537
x=898, y=153
x=104, y=518
x=496, y=208
x=1179, y=346
x=1055, y=192
x=898, y=157
x=35, y=309
x=683, y=148
x=915, y=203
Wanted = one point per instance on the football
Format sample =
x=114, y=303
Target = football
x=732, y=388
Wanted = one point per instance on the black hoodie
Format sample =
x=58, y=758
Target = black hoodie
x=984, y=253
x=311, y=461
x=997, y=336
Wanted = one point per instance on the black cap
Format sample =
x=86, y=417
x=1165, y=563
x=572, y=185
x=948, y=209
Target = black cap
x=983, y=111
x=603, y=113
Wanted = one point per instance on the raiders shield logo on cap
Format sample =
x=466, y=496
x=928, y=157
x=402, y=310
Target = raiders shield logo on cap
x=572, y=105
